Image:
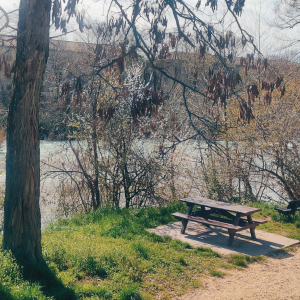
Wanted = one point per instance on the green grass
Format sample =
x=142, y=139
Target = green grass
x=243, y=260
x=217, y=273
x=109, y=254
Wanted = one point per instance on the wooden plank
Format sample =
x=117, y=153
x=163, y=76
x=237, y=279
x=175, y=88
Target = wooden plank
x=260, y=221
x=221, y=205
x=249, y=226
x=217, y=218
x=230, y=217
x=181, y=216
x=284, y=210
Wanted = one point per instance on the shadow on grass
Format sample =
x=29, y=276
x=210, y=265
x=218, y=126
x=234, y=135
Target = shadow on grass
x=4, y=294
x=51, y=286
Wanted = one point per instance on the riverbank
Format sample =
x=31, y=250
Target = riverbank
x=109, y=254
x=58, y=154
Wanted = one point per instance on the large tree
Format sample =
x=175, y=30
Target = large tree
x=22, y=220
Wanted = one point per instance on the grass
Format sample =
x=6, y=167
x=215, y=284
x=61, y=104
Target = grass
x=217, y=273
x=109, y=254
x=243, y=260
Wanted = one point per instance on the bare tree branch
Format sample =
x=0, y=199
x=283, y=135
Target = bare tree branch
x=4, y=15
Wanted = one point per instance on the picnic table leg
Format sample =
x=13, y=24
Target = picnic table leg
x=185, y=222
x=231, y=237
x=190, y=209
x=232, y=232
x=184, y=225
x=252, y=230
x=205, y=216
x=237, y=219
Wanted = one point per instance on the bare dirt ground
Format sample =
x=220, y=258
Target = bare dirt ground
x=275, y=278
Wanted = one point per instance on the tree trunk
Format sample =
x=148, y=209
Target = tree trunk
x=95, y=151
x=22, y=219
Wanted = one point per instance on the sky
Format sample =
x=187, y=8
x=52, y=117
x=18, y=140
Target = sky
x=98, y=5
x=95, y=7
x=95, y=10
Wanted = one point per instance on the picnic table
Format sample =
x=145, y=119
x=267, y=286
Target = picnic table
x=291, y=209
x=219, y=214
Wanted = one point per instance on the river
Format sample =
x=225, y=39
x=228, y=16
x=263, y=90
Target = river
x=50, y=152
x=54, y=152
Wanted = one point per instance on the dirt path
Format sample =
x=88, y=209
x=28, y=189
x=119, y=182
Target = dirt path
x=276, y=278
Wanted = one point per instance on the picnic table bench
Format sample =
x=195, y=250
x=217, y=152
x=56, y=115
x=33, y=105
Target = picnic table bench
x=291, y=209
x=209, y=212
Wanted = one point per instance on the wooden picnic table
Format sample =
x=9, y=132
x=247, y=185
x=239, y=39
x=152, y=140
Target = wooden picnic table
x=219, y=214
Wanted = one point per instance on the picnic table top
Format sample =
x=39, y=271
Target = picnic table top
x=221, y=205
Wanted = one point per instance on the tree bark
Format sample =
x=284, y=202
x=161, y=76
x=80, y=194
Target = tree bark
x=22, y=219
